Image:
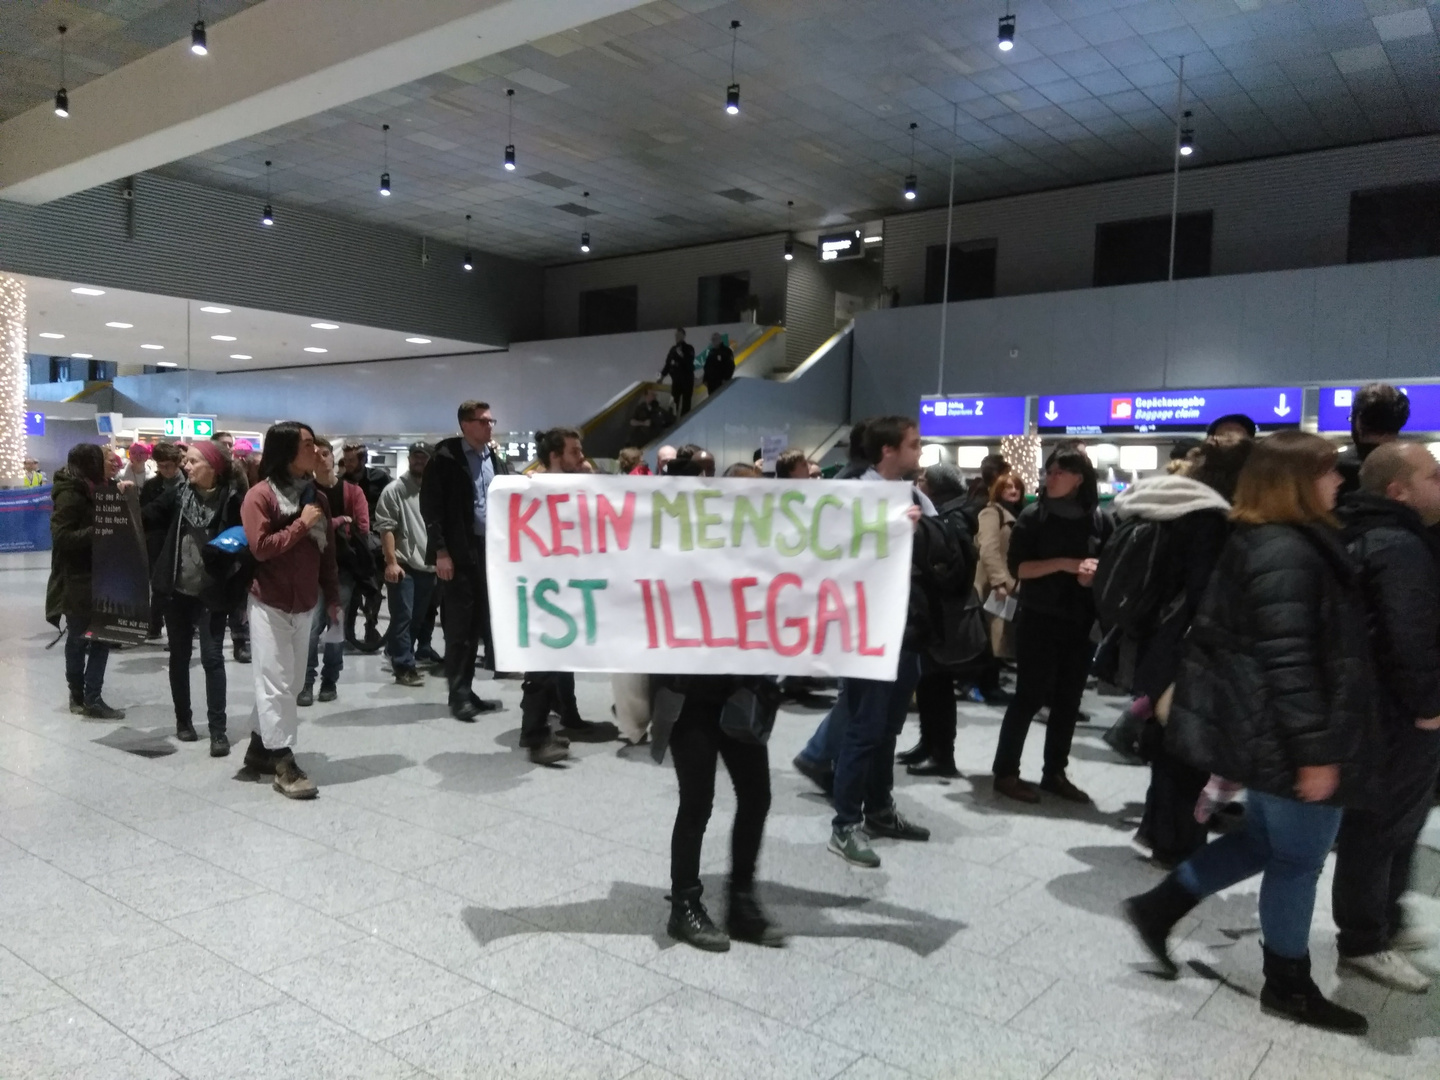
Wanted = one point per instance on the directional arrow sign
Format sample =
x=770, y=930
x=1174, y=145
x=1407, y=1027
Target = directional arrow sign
x=956, y=417
x=1050, y=413
x=1140, y=412
x=1282, y=409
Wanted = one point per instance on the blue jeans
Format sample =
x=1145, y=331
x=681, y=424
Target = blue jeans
x=85, y=660
x=409, y=604
x=824, y=746
x=334, y=653
x=1286, y=841
x=865, y=765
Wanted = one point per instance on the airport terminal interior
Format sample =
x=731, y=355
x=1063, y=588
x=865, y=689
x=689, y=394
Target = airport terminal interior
x=604, y=248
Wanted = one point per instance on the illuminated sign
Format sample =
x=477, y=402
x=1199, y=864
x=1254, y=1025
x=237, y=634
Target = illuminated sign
x=971, y=417
x=834, y=247
x=1335, y=402
x=34, y=423
x=1140, y=412
x=189, y=427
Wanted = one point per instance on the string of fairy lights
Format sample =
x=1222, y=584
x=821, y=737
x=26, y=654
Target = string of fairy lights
x=13, y=378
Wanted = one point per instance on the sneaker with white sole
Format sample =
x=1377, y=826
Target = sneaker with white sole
x=850, y=844
x=1388, y=968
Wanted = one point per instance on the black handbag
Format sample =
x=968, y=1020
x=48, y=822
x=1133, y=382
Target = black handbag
x=964, y=636
x=749, y=713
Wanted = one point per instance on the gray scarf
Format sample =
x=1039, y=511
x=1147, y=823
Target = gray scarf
x=1067, y=507
x=196, y=510
x=288, y=495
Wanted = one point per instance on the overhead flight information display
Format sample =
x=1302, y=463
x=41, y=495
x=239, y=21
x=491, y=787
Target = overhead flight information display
x=1335, y=402
x=1140, y=412
x=971, y=417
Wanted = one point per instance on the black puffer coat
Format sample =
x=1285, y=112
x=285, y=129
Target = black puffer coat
x=1277, y=672
x=72, y=533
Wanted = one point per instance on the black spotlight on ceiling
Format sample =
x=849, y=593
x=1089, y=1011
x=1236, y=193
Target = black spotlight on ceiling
x=385, y=176
x=510, y=137
x=732, y=92
x=197, y=33
x=585, y=236
x=911, y=183
x=789, y=230
x=1006, y=39
x=62, y=96
x=469, y=263
x=267, y=216
x=1187, y=137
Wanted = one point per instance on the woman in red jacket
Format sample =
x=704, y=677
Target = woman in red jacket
x=287, y=525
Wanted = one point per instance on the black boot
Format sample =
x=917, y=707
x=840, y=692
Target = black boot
x=1290, y=992
x=77, y=701
x=1155, y=913
x=914, y=756
x=747, y=922
x=690, y=923
x=257, y=758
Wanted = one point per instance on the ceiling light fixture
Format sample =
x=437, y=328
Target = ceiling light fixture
x=214, y=310
x=385, y=175
x=197, y=33
x=155, y=348
x=120, y=325
x=585, y=236
x=789, y=229
x=911, y=188
x=83, y=355
x=315, y=348
x=732, y=92
x=1187, y=137
x=469, y=263
x=50, y=335
x=874, y=239
x=418, y=340
x=324, y=326
x=84, y=291
x=267, y=216
x=221, y=337
x=166, y=363
x=1007, y=31
x=510, y=132
x=62, y=96
x=241, y=356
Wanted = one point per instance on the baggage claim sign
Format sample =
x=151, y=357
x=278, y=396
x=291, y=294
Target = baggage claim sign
x=693, y=575
x=1273, y=408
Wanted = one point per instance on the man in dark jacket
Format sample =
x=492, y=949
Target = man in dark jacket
x=1386, y=530
x=167, y=457
x=1377, y=416
x=454, y=504
x=719, y=364
x=366, y=595
x=680, y=367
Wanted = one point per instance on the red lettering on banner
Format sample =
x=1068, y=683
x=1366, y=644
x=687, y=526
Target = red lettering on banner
x=582, y=504
x=711, y=641
x=671, y=641
x=862, y=619
x=558, y=528
x=832, y=609
x=620, y=522
x=802, y=625
x=652, y=639
x=520, y=523
x=743, y=615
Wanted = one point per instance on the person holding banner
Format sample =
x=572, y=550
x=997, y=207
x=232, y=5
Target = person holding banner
x=287, y=525
x=72, y=534
x=454, y=503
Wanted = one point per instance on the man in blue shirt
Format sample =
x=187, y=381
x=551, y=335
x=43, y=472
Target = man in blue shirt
x=454, y=500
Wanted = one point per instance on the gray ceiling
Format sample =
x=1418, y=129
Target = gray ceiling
x=630, y=109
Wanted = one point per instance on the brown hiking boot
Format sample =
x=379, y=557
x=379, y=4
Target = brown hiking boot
x=1012, y=787
x=550, y=752
x=1059, y=784
x=291, y=781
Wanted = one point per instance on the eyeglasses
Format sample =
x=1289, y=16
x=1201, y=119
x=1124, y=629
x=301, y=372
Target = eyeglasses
x=479, y=420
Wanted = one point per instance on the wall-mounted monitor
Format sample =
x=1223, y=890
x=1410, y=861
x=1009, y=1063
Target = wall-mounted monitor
x=108, y=423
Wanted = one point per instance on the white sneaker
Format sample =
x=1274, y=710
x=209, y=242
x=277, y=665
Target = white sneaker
x=1413, y=937
x=1389, y=968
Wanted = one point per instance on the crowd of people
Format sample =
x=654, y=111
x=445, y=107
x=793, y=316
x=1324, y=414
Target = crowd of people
x=1271, y=607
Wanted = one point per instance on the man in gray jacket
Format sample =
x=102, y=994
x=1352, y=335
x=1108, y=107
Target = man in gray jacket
x=409, y=580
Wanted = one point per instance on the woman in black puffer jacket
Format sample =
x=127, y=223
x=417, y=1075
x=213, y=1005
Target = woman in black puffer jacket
x=1275, y=692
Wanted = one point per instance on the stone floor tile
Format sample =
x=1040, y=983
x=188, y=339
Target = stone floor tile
x=71, y=1042
x=24, y=991
x=262, y=932
x=176, y=886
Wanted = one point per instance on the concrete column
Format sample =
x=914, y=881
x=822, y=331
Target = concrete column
x=14, y=377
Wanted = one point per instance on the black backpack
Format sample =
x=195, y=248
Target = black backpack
x=1129, y=584
x=945, y=562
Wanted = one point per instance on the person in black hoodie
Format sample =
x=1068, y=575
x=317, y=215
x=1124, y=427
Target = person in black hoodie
x=1053, y=549
x=1275, y=692
x=187, y=516
x=1386, y=528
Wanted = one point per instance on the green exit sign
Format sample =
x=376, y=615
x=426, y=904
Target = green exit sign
x=189, y=427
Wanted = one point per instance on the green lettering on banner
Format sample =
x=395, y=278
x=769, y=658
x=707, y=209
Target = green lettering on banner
x=679, y=509
x=704, y=519
x=524, y=619
x=550, y=585
x=877, y=528
x=759, y=521
x=820, y=505
x=802, y=532
x=587, y=587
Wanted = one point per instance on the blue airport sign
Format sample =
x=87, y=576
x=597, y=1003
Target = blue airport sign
x=34, y=423
x=971, y=417
x=1335, y=404
x=1142, y=411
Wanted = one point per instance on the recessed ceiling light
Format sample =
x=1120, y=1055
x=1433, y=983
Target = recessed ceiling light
x=313, y=348
x=418, y=340
x=241, y=356
x=83, y=291
x=874, y=239
x=221, y=337
x=83, y=355
x=166, y=363
x=325, y=325
x=50, y=335
x=120, y=325
x=157, y=347
x=213, y=310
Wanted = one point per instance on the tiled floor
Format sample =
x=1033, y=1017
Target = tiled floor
x=446, y=910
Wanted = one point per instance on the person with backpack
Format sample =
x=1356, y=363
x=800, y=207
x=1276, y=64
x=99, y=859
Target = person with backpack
x=1152, y=577
x=952, y=599
x=187, y=516
x=1053, y=549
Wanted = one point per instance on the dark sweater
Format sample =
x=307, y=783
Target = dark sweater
x=1039, y=535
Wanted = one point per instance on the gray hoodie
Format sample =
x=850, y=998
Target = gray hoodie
x=1166, y=498
x=398, y=511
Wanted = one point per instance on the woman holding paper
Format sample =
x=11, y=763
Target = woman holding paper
x=993, y=580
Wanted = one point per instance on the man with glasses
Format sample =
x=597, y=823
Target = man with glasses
x=454, y=504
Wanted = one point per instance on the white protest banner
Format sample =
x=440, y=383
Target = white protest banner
x=688, y=574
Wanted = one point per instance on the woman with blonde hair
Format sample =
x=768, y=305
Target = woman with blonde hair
x=1275, y=693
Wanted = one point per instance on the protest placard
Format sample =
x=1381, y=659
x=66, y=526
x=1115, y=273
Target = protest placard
x=120, y=569
x=687, y=574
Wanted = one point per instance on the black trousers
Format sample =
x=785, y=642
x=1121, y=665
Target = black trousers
x=1052, y=658
x=1168, y=824
x=1376, y=845
x=466, y=621
x=935, y=698
x=680, y=396
x=697, y=744
x=182, y=615
x=544, y=692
